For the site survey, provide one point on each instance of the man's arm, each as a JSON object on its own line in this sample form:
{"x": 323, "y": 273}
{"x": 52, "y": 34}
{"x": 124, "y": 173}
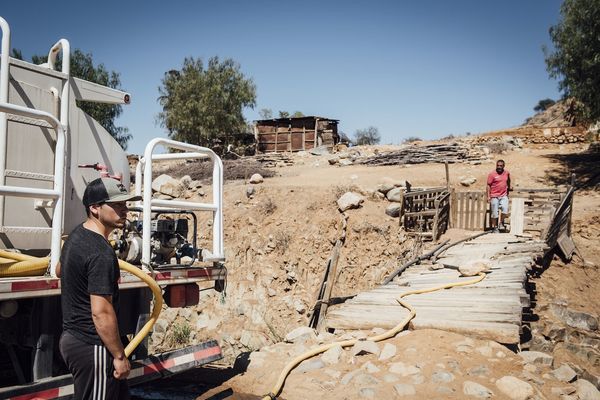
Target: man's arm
{"x": 105, "y": 321}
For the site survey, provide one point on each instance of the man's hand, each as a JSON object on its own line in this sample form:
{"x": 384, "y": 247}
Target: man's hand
{"x": 122, "y": 368}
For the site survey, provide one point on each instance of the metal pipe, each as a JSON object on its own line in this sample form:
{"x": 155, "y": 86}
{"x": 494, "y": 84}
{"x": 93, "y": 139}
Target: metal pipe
{"x": 4, "y": 83}
{"x": 18, "y": 191}
{"x": 185, "y": 205}
{"x": 59, "y": 174}
{"x": 216, "y": 207}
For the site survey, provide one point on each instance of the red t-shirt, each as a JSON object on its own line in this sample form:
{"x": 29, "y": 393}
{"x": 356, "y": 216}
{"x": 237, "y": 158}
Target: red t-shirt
{"x": 498, "y": 183}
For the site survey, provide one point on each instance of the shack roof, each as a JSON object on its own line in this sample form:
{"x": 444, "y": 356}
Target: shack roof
{"x": 290, "y": 119}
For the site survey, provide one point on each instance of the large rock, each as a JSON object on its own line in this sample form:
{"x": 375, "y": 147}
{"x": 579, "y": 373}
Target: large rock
{"x": 393, "y": 210}
{"x": 388, "y": 351}
{"x": 256, "y": 178}
{"x": 404, "y": 389}
{"x": 514, "y": 388}
{"x": 473, "y": 268}
{"x": 404, "y": 370}
{"x": 311, "y": 365}
{"x": 385, "y": 187}
{"x": 565, "y": 373}
{"x": 574, "y": 319}
{"x": 365, "y": 347}
{"x": 536, "y": 357}
{"x": 333, "y": 355}
{"x": 395, "y": 195}
{"x": 474, "y": 389}
{"x": 165, "y": 184}
{"x": 186, "y": 180}
{"x": 586, "y": 391}
{"x": 350, "y": 200}
{"x": 468, "y": 181}
{"x": 300, "y": 335}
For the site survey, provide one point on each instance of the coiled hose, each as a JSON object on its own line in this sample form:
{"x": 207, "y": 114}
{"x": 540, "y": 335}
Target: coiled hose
{"x": 17, "y": 264}
{"x": 386, "y": 335}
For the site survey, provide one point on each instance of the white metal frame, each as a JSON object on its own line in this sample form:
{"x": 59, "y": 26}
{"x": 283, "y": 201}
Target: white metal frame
{"x": 144, "y": 171}
{"x": 61, "y": 128}
{"x": 56, "y": 192}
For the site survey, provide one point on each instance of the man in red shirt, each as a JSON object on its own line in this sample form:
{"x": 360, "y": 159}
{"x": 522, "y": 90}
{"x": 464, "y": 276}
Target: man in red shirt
{"x": 498, "y": 186}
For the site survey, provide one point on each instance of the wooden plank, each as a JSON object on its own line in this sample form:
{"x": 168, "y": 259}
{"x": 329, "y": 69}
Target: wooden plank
{"x": 566, "y": 245}
{"x": 462, "y": 223}
{"x": 517, "y": 216}
{"x": 468, "y": 214}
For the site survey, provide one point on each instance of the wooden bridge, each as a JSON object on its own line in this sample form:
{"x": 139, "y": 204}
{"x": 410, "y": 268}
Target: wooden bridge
{"x": 490, "y": 309}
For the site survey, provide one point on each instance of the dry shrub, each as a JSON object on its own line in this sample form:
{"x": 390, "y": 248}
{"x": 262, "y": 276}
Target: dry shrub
{"x": 267, "y": 206}
{"x": 282, "y": 240}
{"x": 498, "y": 147}
{"x": 340, "y": 190}
{"x": 201, "y": 170}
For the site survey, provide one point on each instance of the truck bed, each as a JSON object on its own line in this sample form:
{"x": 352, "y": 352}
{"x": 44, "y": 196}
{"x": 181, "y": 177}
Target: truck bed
{"x": 39, "y": 286}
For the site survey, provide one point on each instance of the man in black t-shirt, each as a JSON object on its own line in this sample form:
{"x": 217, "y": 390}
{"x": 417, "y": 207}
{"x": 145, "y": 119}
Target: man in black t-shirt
{"x": 89, "y": 273}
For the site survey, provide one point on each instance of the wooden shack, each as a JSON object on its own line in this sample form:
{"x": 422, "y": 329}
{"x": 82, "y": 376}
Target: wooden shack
{"x": 295, "y": 134}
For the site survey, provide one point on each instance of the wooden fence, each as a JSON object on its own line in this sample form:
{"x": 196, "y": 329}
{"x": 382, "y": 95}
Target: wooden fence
{"x": 470, "y": 210}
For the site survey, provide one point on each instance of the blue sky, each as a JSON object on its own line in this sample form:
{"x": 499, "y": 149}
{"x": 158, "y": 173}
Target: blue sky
{"x": 427, "y": 68}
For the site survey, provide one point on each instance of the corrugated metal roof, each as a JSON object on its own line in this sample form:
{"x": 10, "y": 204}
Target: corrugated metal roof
{"x": 288, "y": 119}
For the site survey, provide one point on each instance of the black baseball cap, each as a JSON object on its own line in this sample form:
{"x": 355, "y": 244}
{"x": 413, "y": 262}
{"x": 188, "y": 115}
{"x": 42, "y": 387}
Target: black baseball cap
{"x": 106, "y": 190}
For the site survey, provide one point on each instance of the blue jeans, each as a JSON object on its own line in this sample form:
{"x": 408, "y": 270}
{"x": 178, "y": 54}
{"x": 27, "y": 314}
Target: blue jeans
{"x": 499, "y": 202}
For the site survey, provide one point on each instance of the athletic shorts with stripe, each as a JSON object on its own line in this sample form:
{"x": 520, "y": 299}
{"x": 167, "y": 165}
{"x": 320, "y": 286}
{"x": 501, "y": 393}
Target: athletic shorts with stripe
{"x": 92, "y": 368}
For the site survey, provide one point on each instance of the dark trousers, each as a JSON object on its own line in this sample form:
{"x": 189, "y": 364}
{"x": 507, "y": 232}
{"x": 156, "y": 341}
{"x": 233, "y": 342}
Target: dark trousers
{"x": 92, "y": 369}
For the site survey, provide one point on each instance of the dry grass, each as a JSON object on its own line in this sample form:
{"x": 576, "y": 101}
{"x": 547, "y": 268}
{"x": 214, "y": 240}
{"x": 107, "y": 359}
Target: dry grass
{"x": 201, "y": 170}
{"x": 282, "y": 240}
{"x": 267, "y": 206}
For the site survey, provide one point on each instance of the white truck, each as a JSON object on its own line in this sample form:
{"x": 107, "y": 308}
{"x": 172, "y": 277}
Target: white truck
{"x": 45, "y": 141}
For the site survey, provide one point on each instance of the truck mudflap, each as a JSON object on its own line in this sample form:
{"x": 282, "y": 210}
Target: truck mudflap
{"x": 151, "y": 368}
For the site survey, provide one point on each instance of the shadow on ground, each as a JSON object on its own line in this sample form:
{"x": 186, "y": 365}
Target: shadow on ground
{"x": 585, "y": 166}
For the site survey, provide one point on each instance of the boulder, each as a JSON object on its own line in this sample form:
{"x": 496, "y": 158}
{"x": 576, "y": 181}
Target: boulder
{"x": 345, "y": 162}
{"x": 586, "y": 391}
{"x": 395, "y": 195}
{"x": 574, "y": 319}
{"x": 250, "y": 190}
{"x": 300, "y": 335}
{"x": 474, "y": 389}
{"x": 442, "y": 377}
{"x": 349, "y": 201}
{"x": 370, "y": 367}
{"x": 404, "y": 370}
{"x": 473, "y": 268}
{"x": 514, "y": 388}
{"x": 388, "y": 351}
{"x": 256, "y": 178}
{"x": 385, "y": 187}
{"x": 311, "y": 365}
{"x": 333, "y": 355}
{"x": 319, "y": 151}
{"x": 393, "y": 210}
{"x": 365, "y": 347}
{"x": 185, "y": 181}
{"x": 564, "y": 373}
{"x": 404, "y": 389}
{"x": 468, "y": 181}
{"x": 536, "y": 357}
{"x": 165, "y": 184}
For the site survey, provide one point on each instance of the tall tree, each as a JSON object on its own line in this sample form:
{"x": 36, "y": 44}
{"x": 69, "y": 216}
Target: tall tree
{"x": 203, "y": 105}
{"x": 82, "y": 66}
{"x": 284, "y": 114}
{"x": 367, "y": 136}
{"x": 297, "y": 114}
{"x": 265, "y": 113}
{"x": 543, "y": 105}
{"x": 576, "y": 58}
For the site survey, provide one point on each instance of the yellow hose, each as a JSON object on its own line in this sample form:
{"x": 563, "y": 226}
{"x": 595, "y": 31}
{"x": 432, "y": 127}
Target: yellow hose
{"x": 22, "y": 264}
{"x": 25, "y": 265}
{"x": 386, "y": 335}
{"x": 158, "y": 302}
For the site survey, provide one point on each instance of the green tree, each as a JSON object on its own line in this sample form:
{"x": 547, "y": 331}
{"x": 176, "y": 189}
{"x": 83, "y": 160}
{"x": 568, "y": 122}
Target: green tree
{"x": 297, "y": 114}
{"x": 284, "y": 114}
{"x": 82, "y": 66}
{"x": 203, "y": 105}
{"x": 265, "y": 113}
{"x": 367, "y": 136}
{"x": 543, "y": 105}
{"x": 575, "y": 62}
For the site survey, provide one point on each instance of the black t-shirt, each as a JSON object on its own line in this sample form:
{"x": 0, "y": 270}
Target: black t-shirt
{"x": 88, "y": 266}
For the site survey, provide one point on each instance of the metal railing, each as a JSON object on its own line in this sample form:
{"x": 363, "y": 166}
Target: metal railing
{"x": 144, "y": 173}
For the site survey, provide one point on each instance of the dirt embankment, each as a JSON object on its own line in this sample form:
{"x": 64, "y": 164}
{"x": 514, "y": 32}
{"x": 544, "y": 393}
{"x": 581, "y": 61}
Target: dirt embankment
{"x": 277, "y": 244}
